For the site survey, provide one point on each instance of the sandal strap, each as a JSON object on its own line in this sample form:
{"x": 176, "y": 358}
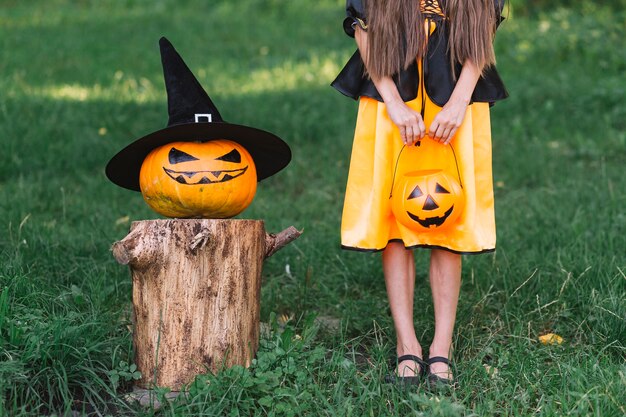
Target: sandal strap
{"x": 422, "y": 364}
{"x": 439, "y": 359}
{"x": 413, "y": 358}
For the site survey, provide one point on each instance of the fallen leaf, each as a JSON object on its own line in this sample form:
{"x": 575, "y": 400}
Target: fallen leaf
{"x": 551, "y": 339}
{"x": 122, "y": 220}
{"x": 492, "y": 371}
{"x": 285, "y": 318}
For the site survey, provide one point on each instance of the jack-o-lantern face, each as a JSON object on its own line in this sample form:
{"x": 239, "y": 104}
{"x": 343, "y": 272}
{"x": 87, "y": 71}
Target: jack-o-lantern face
{"x": 426, "y": 200}
{"x": 215, "y": 179}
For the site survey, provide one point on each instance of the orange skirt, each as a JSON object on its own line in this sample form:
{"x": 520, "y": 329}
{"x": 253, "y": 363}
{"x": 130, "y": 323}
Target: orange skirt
{"x": 379, "y": 161}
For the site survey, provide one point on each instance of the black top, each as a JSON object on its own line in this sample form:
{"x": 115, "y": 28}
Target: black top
{"x": 439, "y": 82}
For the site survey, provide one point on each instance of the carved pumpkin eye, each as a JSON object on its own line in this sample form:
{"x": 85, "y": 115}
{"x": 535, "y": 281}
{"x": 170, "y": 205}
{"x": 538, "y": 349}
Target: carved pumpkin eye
{"x": 232, "y": 156}
{"x": 440, "y": 190}
{"x": 417, "y": 192}
{"x": 176, "y": 157}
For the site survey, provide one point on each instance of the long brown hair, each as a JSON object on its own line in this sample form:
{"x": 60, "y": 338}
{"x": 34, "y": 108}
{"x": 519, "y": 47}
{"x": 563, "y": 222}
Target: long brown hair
{"x": 472, "y": 27}
{"x": 395, "y": 40}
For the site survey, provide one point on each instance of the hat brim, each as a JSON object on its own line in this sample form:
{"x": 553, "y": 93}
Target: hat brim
{"x": 269, "y": 152}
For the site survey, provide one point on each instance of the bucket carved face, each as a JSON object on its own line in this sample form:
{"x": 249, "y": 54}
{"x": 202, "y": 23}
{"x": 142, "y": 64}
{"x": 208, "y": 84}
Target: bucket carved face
{"x": 427, "y": 200}
{"x": 215, "y": 179}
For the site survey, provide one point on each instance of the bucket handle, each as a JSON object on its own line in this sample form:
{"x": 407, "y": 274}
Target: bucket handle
{"x": 395, "y": 169}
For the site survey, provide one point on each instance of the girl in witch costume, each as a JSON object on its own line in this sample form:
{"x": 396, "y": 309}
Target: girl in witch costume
{"x": 424, "y": 75}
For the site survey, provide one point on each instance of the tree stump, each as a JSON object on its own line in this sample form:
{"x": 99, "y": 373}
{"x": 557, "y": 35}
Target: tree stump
{"x": 196, "y": 294}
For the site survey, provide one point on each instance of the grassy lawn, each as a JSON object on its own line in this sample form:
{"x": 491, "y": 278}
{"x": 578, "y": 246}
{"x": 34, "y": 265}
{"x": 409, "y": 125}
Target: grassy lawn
{"x": 81, "y": 79}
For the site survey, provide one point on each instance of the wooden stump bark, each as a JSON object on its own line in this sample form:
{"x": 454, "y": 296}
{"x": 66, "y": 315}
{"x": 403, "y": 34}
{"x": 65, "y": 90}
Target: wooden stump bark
{"x": 196, "y": 294}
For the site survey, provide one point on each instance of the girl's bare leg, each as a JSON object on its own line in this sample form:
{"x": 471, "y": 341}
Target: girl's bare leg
{"x": 399, "y": 270}
{"x": 445, "y": 284}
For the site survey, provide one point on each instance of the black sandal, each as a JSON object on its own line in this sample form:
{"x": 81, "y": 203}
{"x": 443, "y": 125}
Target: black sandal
{"x": 407, "y": 380}
{"x": 435, "y": 380}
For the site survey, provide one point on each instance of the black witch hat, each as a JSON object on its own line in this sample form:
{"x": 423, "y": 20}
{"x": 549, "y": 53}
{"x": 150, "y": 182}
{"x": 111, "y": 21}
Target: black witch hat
{"x": 194, "y": 118}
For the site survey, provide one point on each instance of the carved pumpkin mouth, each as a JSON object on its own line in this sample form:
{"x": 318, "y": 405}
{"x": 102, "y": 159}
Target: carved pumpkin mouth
{"x": 432, "y": 221}
{"x": 204, "y": 177}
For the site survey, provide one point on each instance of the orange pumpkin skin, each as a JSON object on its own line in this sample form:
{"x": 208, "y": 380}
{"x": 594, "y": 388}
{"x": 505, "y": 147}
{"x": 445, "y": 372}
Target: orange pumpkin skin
{"x": 215, "y": 179}
{"x": 427, "y": 200}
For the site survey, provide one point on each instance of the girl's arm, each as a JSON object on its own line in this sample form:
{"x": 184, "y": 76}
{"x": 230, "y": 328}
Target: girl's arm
{"x": 409, "y": 122}
{"x": 447, "y": 121}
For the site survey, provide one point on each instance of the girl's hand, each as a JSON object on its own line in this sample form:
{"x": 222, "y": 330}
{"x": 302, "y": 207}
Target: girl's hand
{"x": 447, "y": 121}
{"x": 409, "y": 121}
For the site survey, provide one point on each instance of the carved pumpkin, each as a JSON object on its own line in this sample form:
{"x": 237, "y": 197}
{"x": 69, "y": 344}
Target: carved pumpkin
{"x": 214, "y": 179}
{"x": 427, "y": 199}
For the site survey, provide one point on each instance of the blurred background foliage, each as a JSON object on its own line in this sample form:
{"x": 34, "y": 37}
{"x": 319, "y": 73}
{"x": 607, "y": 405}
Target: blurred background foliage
{"x": 529, "y": 7}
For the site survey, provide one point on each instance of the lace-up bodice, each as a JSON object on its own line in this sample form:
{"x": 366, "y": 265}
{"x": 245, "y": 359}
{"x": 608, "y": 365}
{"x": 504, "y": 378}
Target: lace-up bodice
{"x": 431, "y": 7}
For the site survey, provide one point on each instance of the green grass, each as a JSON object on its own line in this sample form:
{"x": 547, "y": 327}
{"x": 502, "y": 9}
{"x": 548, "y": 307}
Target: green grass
{"x": 80, "y": 79}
